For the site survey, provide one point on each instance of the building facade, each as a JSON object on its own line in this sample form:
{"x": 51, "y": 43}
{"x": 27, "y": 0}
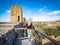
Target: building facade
{"x": 16, "y": 14}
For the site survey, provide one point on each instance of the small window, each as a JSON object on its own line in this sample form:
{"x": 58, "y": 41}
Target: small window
{"x": 18, "y": 18}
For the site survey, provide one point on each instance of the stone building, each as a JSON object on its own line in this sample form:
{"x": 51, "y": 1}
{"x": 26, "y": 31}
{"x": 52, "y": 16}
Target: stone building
{"x": 16, "y": 14}
{"x": 24, "y": 19}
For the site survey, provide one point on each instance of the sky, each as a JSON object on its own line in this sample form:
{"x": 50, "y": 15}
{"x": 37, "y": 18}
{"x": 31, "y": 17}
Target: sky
{"x": 37, "y": 10}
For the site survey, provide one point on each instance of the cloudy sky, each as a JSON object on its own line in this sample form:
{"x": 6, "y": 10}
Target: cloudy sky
{"x": 37, "y": 10}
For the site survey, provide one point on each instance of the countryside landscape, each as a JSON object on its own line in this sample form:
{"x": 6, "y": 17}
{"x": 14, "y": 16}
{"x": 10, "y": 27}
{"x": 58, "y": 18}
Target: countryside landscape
{"x": 30, "y": 22}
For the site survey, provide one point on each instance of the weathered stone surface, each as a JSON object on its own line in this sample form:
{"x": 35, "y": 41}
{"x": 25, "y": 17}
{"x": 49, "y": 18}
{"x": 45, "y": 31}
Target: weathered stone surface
{"x": 16, "y": 14}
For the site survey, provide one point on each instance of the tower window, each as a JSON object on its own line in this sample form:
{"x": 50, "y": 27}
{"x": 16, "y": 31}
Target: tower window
{"x": 18, "y": 18}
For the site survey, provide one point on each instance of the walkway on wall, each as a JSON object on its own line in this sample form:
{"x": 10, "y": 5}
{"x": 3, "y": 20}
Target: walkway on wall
{"x": 15, "y": 37}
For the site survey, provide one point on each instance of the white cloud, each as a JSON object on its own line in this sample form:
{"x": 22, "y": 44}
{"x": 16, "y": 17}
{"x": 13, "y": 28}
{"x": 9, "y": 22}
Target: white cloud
{"x": 38, "y": 15}
{"x": 44, "y": 18}
{"x": 42, "y": 9}
{"x": 54, "y": 12}
{"x": 8, "y": 11}
{"x": 28, "y": 11}
{"x": 5, "y": 17}
{"x": 4, "y": 20}
{"x": 43, "y": 15}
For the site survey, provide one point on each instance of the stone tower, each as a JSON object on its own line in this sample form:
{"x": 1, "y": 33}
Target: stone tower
{"x": 16, "y": 14}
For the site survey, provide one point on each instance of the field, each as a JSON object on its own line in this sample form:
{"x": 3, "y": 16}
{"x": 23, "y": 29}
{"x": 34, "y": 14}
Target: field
{"x": 52, "y": 31}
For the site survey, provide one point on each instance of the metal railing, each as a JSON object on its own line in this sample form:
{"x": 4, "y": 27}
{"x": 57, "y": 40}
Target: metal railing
{"x": 48, "y": 37}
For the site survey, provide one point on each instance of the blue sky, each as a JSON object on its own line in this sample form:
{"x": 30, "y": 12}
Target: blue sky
{"x": 38, "y": 10}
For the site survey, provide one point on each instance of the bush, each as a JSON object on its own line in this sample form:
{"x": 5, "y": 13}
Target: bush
{"x": 49, "y": 30}
{"x": 58, "y": 27}
{"x": 52, "y": 31}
